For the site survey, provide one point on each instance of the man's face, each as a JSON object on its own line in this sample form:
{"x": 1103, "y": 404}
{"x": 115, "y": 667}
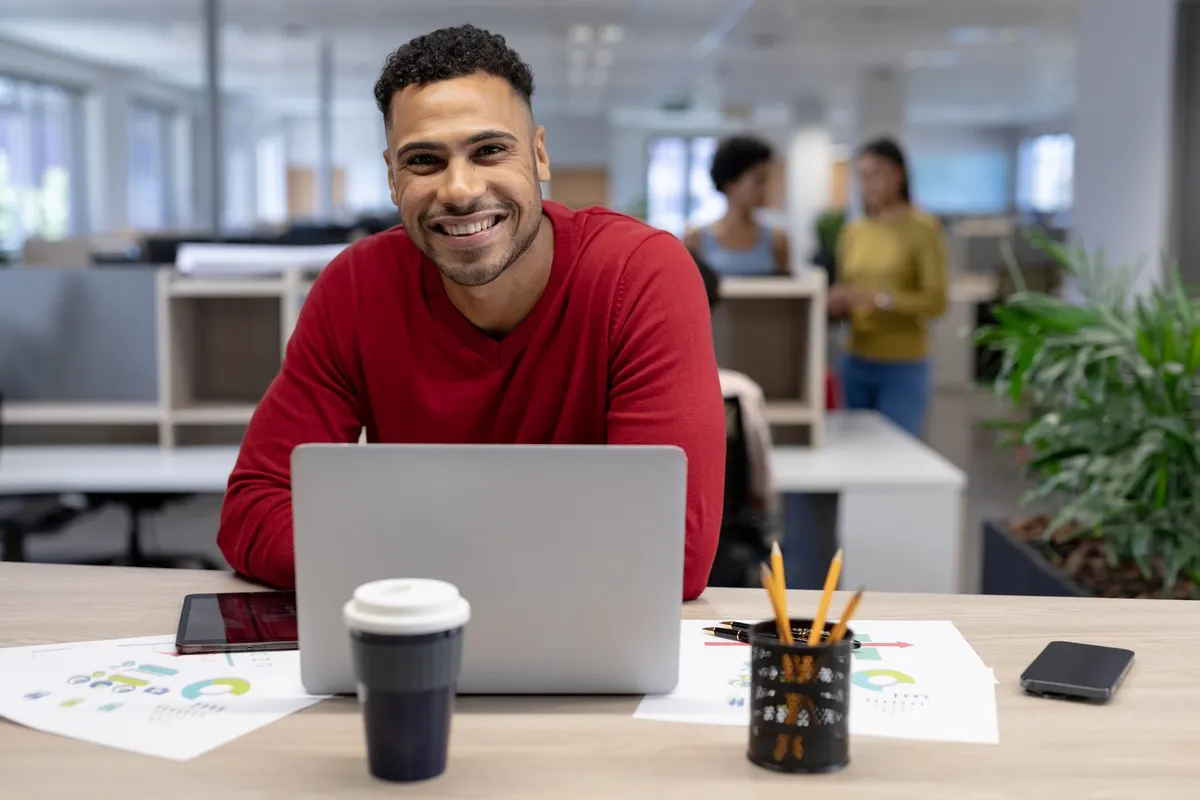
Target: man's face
{"x": 465, "y": 163}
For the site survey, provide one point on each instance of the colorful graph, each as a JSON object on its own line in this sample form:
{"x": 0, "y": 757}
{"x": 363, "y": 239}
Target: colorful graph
{"x": 742, "y": 681}
{"x": 876, "y": 680}
{"x": 115, "y": 678}
{"x": 215, "y": 686}
{"x": 866, "y": 653}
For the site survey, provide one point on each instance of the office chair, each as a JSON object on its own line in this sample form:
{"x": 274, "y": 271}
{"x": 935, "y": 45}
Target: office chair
{"x": 25, "y": 516}
{"x": 136, "y": 506}
{"x": 21, "y": 517}
{"x": 742, "y": 546}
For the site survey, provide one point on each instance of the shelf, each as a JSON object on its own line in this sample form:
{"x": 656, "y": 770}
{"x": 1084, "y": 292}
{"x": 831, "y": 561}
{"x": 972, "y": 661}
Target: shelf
{"x": 17, "y": 413}
{"x": 213, "y": 414}
{"x": 808, "y": 284}
{"x": 789, "y": 413}
{"x": 227, "y": 287}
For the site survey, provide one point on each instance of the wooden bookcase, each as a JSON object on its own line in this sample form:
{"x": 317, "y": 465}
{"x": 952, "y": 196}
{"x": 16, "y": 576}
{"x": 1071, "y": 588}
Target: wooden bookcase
{"x": 220, "y": 341}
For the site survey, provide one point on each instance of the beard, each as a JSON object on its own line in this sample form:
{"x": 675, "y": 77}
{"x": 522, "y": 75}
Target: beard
{"x": 478, "y": 268}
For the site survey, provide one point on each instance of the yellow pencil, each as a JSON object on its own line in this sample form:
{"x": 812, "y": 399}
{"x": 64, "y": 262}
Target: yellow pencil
{"x": 831, "y": 582}
{"x": 777, "y": 566}
{"x": 779, "y": 604}
{"x": 843, "y": 625}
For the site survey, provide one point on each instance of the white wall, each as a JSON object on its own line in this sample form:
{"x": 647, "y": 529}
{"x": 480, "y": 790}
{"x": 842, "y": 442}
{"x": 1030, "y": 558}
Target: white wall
{"x": 108, "y": 92}
{"x": 809, "y": 173}
{"x": 1124, "y": 118}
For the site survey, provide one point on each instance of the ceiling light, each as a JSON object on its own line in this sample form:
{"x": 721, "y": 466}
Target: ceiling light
{"x": 578, "y": 58}
{"x": 580, "y": 34}
{"x": 612, "y": 34}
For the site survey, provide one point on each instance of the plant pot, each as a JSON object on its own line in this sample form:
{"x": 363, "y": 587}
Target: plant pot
{"x": 1011, "y": 566}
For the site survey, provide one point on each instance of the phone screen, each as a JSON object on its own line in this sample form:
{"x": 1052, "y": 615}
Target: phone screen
{"x": 237, "y": 621}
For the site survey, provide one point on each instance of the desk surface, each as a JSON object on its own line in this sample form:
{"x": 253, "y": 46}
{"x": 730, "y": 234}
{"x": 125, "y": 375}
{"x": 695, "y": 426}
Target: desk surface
{"x": 861, "y": 449}
{"x": 1141, "y": 745}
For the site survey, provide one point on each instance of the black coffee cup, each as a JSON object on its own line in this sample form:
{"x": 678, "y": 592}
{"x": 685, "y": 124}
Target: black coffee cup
{"x": 799, "y": 701}
{"x": 406, "y": 636}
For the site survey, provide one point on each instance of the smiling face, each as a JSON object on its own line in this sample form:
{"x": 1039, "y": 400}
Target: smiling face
{"x": 465, "y": 165}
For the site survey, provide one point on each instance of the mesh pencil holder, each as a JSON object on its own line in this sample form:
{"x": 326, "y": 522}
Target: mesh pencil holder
{"x": 799, "y": 701}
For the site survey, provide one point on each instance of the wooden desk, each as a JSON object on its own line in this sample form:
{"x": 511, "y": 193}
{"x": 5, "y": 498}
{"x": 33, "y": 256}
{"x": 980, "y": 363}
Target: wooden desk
{"x": 1142, "y": 745}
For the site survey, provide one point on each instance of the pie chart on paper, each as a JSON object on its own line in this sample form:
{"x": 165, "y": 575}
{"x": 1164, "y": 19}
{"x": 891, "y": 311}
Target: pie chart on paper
{"x": 216, "y": 686}
{"x": 876, "y": 680}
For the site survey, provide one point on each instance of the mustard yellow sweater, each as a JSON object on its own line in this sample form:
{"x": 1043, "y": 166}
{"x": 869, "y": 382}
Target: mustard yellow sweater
{"x": 903, "y": 259}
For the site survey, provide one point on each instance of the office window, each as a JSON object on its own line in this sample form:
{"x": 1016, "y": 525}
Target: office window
{"x": 38, "y": 133}
{"x": 149, "y": 194}
{"x": 1046, "y": 173}
{"x": 679, "y": 192}
{"x": 968, "y": 181}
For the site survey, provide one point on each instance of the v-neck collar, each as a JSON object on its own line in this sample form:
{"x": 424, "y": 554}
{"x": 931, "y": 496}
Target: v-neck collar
{"x": 499, "y": 352}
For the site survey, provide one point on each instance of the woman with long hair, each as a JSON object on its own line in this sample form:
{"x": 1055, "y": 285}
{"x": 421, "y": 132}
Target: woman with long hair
{"x": 738, "y": 244}
{"x": 892, "y": 283}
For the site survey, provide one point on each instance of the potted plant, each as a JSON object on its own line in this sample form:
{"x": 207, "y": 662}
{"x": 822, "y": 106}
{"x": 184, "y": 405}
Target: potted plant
{"x": 828, "y": 226}
{"x": 1105, "y": 397}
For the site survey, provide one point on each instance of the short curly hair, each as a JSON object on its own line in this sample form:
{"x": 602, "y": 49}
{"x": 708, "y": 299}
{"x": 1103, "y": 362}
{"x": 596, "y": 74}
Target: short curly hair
{"x": 446, "y": 54}
{"x": 735, "y": 157}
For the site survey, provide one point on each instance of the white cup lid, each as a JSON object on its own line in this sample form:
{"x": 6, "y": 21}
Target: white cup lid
{"x": 406, "y": 607}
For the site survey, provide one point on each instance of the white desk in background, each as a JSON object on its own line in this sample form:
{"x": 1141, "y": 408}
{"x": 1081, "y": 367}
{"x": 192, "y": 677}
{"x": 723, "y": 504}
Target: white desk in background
{"x": 893, "y": 503}
{"x": 141, "y": 479}
{"x": 113, "y": 469}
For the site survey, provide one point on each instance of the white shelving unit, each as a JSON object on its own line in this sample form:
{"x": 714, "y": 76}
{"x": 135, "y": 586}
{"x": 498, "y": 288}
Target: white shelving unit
{"x": 221, "y": 338}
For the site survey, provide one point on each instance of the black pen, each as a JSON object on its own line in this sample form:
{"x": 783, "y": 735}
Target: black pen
{"x": 799, "y": 633}
{"x": 731, "y": 634}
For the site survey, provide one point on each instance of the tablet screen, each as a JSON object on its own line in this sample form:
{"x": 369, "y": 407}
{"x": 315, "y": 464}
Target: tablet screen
{"x": 238, "y": 620}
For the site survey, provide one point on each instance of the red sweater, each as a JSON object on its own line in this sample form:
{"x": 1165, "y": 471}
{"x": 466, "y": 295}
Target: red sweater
{"x": 618, "y": 350}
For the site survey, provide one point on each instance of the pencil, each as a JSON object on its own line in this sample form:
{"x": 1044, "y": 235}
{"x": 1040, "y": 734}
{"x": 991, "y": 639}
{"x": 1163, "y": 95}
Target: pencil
{"x": 843, "y": 625}
{"x": 779, "y": 603}
{"x": 831, "y": 582}
{"x": 777, "y": 566}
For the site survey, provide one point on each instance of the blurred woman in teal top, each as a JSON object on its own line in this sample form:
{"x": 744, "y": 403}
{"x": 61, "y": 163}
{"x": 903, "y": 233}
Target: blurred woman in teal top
{"x": 737, "y": 244}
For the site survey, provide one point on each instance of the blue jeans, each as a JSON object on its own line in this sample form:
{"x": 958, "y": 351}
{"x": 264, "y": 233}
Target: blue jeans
{"x": 898, "y": 390}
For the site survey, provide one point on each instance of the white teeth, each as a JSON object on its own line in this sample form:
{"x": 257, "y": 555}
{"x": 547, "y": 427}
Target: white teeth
{"x": 467, "y": 230}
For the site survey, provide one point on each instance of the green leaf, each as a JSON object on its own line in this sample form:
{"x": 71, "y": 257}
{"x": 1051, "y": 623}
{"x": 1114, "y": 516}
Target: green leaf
{"x": 1107, "y": 401}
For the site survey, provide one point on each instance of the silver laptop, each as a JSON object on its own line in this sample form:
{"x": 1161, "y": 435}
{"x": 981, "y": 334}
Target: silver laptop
{"x": 571, "y": 557}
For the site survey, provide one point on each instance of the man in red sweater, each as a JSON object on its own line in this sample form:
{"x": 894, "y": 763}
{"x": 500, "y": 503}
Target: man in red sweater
{"x": 488, "y": 316}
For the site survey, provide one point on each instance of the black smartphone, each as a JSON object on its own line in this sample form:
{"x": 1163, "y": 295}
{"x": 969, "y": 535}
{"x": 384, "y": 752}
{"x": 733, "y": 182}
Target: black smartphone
{"x": 1073, "y": 671}
{"x": 237, "y": 622}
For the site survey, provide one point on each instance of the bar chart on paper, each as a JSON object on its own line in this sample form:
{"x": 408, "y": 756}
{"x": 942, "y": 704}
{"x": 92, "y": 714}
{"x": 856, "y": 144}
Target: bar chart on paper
{"x": 910, "y": 679}
{"x": 139, "y": 695}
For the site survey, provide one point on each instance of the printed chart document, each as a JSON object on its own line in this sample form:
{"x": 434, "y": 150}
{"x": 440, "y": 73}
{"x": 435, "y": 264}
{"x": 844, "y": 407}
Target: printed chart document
{"x": 139, "y": 695}
{"x": 910, "y": 680}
